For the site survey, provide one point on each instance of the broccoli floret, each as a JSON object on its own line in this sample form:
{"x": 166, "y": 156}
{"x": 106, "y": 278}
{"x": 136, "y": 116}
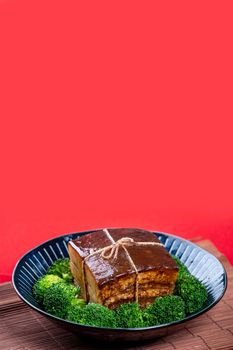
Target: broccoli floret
{"x": 77, "y": 302}
{"x": 169, "y": 308}
{"x": 42, "y": 285}
{"x": 165, "y": 309}
{"x": 129, "y": 316}
{"x": 92, "y": 314}
{"x": 58, "y": 298}
{"x": 189, "y": 289}
{"x": 192, "y": 292}
{"x": 61, "y": 268}
{"x": 149, "y": 317}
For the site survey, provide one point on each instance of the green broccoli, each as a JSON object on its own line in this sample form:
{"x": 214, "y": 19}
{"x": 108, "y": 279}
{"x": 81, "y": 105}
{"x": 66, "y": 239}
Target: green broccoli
{"x": 77, "y": 302}
{"x": 129, "y": 316}
{"x": 169, "y": 308}
{"x": 93, "y": 315}
{"x": 165, "y": 309}
{"x": 61, "y": 268}
{"x": 149, "y": 317}
{"x": 192, "y": 292}
{"x": 42, "y": 285}
{"x": 58, "y": 298}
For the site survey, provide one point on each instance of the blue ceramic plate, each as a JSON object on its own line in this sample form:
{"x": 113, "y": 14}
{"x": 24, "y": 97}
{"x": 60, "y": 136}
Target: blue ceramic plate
{"x": 199, "y": 262}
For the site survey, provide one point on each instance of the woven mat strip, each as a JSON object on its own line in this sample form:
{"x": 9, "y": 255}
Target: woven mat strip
{"x": 21, "y": 328}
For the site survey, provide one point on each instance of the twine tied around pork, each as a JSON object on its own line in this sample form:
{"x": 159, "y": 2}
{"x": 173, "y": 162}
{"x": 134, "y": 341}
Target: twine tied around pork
{"x": 112, "y": 250}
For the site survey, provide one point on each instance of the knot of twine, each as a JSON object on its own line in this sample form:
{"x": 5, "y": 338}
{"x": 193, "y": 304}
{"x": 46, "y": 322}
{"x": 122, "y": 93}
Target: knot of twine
{"x": 111, "y": 251}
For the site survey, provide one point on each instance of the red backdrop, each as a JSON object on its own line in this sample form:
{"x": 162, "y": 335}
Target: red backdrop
{"x": 115, "y": 113}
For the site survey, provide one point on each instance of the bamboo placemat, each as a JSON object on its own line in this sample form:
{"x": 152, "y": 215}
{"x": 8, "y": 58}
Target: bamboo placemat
{"x": 22, "y": 328}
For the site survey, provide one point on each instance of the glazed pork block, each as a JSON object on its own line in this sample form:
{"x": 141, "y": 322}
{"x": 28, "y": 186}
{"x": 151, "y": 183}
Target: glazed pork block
{"x": 138, "y": 269}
